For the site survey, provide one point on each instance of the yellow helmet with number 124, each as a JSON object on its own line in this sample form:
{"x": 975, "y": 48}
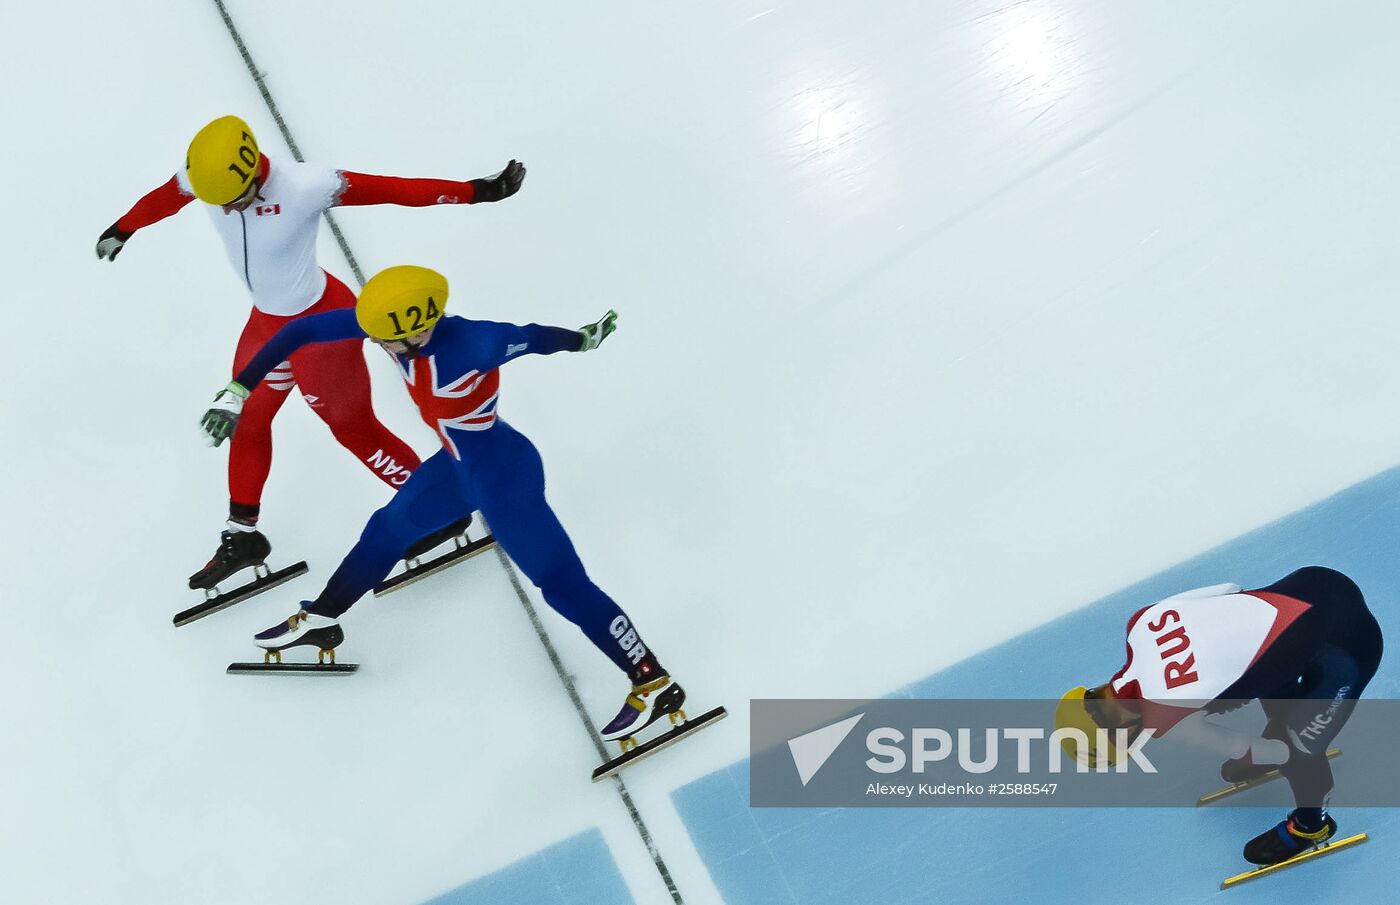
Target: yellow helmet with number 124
{"x": 222, "y": 160}
{"x": 401, "y": 302}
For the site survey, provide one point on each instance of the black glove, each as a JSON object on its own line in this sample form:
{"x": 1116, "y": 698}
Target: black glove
{"x": 502, "y": 185}
{"x": 110, "y": 243}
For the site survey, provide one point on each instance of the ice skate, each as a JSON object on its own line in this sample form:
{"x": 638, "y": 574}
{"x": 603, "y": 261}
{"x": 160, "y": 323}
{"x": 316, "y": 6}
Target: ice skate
{"x": 645, "y": 704}
{"x": 301, "y": 629}
{"x": 1286, "y": 845}
{"x": 416, "y": 569}
{"x": 433, "y": 539}
{"x": 1242, "y": 775}
{"x": 654, "y": 695}
{"x": 238, "y": 550}
{"x": 1287, "y": 840}
{"x": 1241, "y": 770}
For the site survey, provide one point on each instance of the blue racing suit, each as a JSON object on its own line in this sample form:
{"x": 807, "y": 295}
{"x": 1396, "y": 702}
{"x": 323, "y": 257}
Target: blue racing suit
{"x": 485, "y": 465}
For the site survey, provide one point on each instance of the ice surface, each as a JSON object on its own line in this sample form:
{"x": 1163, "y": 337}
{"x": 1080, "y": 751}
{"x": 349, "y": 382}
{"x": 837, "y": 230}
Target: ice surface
{"x": 938, "y": 320}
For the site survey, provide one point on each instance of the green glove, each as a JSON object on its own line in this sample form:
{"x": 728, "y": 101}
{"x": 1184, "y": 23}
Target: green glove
{"x": 221, "y": 419}
{"x": 594, "y": 334}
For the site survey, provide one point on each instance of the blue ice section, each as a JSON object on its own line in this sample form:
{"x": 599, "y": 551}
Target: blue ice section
{"x": 578, "y": 871}
{"x": 1046, "y": 856}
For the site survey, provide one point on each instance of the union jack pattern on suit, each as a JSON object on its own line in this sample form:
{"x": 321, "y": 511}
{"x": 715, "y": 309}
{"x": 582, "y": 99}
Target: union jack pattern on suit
{"x": 467, "y": 403}
{"x": 281, "y": 378}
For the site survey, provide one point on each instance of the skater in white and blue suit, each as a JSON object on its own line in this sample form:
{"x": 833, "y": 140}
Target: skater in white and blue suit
{"x": 449, "y": 365}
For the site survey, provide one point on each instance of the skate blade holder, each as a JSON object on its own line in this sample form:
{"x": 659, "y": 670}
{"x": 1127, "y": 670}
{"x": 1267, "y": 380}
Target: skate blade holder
{"x": 459, "y": 542}
{"x": 1252, "y": 783}
{"x": 630, "y": 742}
{"x": 1326, "y": 848}
{"x": 324, "y": 655}
{"x": 260, "y": 571}
{"x": 421, "y": 567}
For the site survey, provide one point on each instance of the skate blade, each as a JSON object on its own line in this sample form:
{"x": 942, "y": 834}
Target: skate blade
{"x": 423, "y": 570}
{"x": 662, "y": 741}
{"x": 314, "y": 669}
{"x": 1308, "y": 855}
{"x": 1258, "y": 781}
{"x": 238, "y": 595}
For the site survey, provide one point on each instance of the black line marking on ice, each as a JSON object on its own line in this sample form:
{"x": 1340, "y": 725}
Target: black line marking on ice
{"x": 598, "y": 746}
{"x": 540, "y": 630}
{"x": 286, "y": 133}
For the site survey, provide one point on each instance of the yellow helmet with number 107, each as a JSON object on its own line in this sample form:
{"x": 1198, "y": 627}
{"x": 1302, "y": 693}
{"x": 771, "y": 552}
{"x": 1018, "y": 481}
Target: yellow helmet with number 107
{"x": 401, "y": 302}
{"x": 222, "y": 160}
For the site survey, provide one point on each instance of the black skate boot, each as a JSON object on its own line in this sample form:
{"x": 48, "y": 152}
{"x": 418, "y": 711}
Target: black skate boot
{"x": 237, "y": 550}
{"x": 434, "y": 538}
{"x": 1288, "y": 839}
{"x": 654, "y": 695}
{"x": 417, "y": 567}
{"x": 1242, "y": 770}
{"x": 302, "y": 628}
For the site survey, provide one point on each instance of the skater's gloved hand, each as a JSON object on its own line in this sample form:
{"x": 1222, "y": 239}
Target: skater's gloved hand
{"x": 504, "y": 184}
{"x": 111, "y": 243}
{"x": 219, "y": 421}
{"x": 594, "y": 334}
{"x": 1269, "y": 751}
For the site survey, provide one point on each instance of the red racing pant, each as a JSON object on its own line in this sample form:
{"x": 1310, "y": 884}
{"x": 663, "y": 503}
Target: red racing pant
{"x": 334, "y": 381}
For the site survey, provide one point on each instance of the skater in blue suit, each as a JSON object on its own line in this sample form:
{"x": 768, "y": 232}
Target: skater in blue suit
{"x": 450, "y": 365}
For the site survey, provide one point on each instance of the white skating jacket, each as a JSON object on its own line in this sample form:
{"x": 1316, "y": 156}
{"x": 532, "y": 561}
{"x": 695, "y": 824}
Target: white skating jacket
{"x": 1185, "y": 651}
{"x": 272, "y": 245}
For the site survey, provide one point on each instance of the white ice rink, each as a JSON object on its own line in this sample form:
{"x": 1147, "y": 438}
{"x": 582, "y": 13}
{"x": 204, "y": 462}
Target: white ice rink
{"x": 938, "y": 319}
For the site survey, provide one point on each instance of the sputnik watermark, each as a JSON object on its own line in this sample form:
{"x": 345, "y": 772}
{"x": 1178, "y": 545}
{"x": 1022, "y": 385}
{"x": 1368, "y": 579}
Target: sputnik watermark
{"x": 906, "y": 752}
{"x": 813, "y": 749}
{"x": 960, "y": 789}
{"x": 885, "y": 744}
{"x": 934, "y": 745}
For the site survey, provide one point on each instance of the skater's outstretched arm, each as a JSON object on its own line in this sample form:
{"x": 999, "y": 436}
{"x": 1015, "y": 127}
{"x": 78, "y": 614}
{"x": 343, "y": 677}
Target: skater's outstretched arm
{"x": 219, "y": 421}
{"x": 154, "y": 206}
{"x": 333, "y": 326}
{"x": 364, "y": 188}
{"x": 494, "y": 343}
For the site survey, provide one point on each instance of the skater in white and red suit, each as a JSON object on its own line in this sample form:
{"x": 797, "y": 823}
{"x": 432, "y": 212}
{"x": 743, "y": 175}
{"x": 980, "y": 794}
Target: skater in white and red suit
{"x": 1305, "y": 646}
{"x": 267, "y": 210}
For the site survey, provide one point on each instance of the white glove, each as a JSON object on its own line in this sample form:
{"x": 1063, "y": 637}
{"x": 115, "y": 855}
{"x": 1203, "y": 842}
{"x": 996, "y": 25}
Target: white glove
{"x": 220, "y": 421}
{"x": 594, "y": 334}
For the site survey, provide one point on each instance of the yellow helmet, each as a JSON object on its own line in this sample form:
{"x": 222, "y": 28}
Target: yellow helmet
{"x": 1073, "y": 713}
{"x": 222, "y": 160}
{"x": 401, "y": 302}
